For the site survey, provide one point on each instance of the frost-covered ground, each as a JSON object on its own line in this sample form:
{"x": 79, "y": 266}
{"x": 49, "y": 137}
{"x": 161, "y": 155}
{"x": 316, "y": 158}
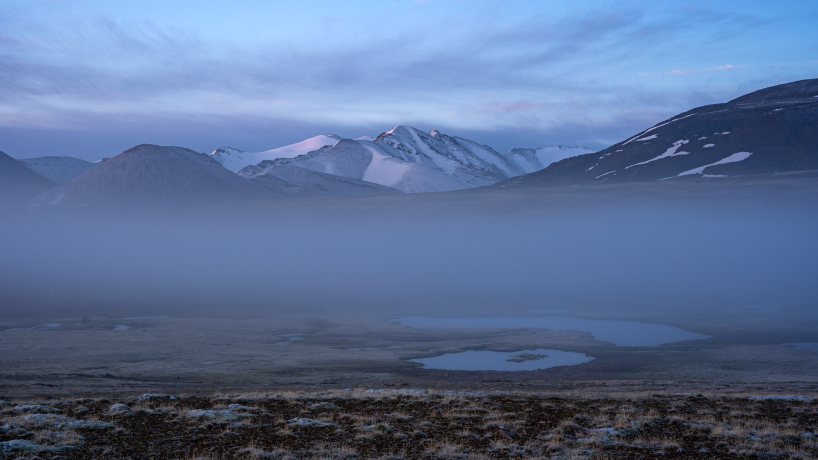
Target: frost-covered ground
{"x": 411, "y": 423}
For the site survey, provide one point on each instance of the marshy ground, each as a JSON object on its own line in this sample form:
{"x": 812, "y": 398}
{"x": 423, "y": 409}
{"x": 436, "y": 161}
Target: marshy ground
{"x": 273, "y": 387}
{"x": 395, "y": 424}
{"x": 66, "y": 357}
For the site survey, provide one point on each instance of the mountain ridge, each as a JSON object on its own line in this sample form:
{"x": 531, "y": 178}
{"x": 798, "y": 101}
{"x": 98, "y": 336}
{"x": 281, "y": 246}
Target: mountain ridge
{"x": 153, "y": 174}
{"x": 412, "y": 161}
{"x": 18, "y": 182}
{"x": 768, "y": 131}
{"x": 58, "y": 169}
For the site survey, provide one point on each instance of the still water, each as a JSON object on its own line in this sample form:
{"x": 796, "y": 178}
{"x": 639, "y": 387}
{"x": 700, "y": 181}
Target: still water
{"x": 526, "y": 360}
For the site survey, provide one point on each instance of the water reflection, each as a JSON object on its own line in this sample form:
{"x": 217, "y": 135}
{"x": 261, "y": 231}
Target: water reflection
{"x": 525, "y": 360}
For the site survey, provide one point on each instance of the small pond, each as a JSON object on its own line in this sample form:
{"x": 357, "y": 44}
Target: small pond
{"x": 525, "y": 360}
{"x": 620, "y": 333}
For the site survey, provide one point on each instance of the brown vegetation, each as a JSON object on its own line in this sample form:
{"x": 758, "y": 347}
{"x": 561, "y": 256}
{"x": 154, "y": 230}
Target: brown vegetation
{"x": 395, "y": 424}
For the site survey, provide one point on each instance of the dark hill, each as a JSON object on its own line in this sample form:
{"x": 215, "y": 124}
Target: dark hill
{"x": 152, "y": 174}
{"x": 772, "y": 130}
{"x": 18, "y": 182}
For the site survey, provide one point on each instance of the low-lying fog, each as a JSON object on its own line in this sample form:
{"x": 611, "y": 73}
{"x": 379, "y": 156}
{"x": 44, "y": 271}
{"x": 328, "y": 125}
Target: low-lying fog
{"x": 419, "y": 256}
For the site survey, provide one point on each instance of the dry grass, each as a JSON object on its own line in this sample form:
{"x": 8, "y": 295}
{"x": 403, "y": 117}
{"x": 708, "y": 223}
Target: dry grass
{"x": 428, "y": 426}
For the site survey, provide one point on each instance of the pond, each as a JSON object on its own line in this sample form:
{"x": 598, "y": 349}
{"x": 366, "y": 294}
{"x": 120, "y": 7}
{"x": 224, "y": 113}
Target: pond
{"x": 620, "y": 333}
{"x": 525, "y": 360}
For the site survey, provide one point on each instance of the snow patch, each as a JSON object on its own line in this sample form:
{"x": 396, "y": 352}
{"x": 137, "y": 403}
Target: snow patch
{"x": 671, "y": 152}
{"x": 707, "y": 146}
{"x": 736, "y": 157}
{"x": 57, "y": 200}
{"x": 646, "y": 138}
{"x": 605, "y": 174}
{"x": 658, "y": 126}
{"x": 234, "y": 159}
{"x": 384, "y": 169}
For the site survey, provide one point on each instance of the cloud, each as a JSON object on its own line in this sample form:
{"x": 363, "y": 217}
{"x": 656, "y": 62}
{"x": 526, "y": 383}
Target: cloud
{"x": 695, "y": 71}
{"x": 481, "y": 73}
{"x": 105, "y": 66}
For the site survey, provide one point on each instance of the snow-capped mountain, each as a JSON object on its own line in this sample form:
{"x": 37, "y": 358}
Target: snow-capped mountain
{"x": 17, "y": 182}
{"x": 768, "y": 131}
{"x": 467, "y": 161}
{"x": 532, "y": 160}
{"x": 250, "y": 171}
{"x": 379, "y": 163}
{"x": 235, "y": 159}
{"x": 58, "y": 169}
{"x": 412, "y": 161}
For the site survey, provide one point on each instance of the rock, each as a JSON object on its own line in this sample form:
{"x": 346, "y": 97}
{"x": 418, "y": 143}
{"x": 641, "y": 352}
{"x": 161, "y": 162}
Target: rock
{"x": 39, "y": 420}
{"x": 457, "y": 393}
{"x": 327, "y": 406}
{"x": 19, "y": 445}
{"x": 36, "y": 408}
{"x": 155, "y": 397}
{"x": 217, "y": 414}
{"x": 119, "y": 409}
{"x": 405, "y": 391}
{"x": 300, "y": 421}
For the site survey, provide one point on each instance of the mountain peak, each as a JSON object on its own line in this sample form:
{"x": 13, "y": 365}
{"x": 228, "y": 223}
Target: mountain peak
{"x": 801, "y": 89}
{"x": 400, "y": 130}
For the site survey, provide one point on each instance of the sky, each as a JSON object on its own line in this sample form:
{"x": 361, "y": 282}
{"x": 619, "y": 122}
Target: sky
{"x": 92, "y": 78}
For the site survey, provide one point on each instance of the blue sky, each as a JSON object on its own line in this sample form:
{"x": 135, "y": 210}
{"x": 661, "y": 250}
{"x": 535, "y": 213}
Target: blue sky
{"x": 92, "y": 78}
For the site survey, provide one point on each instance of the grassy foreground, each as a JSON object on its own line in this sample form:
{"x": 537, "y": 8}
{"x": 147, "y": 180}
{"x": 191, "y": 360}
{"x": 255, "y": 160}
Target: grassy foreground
{"x": 395, "y": 424}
